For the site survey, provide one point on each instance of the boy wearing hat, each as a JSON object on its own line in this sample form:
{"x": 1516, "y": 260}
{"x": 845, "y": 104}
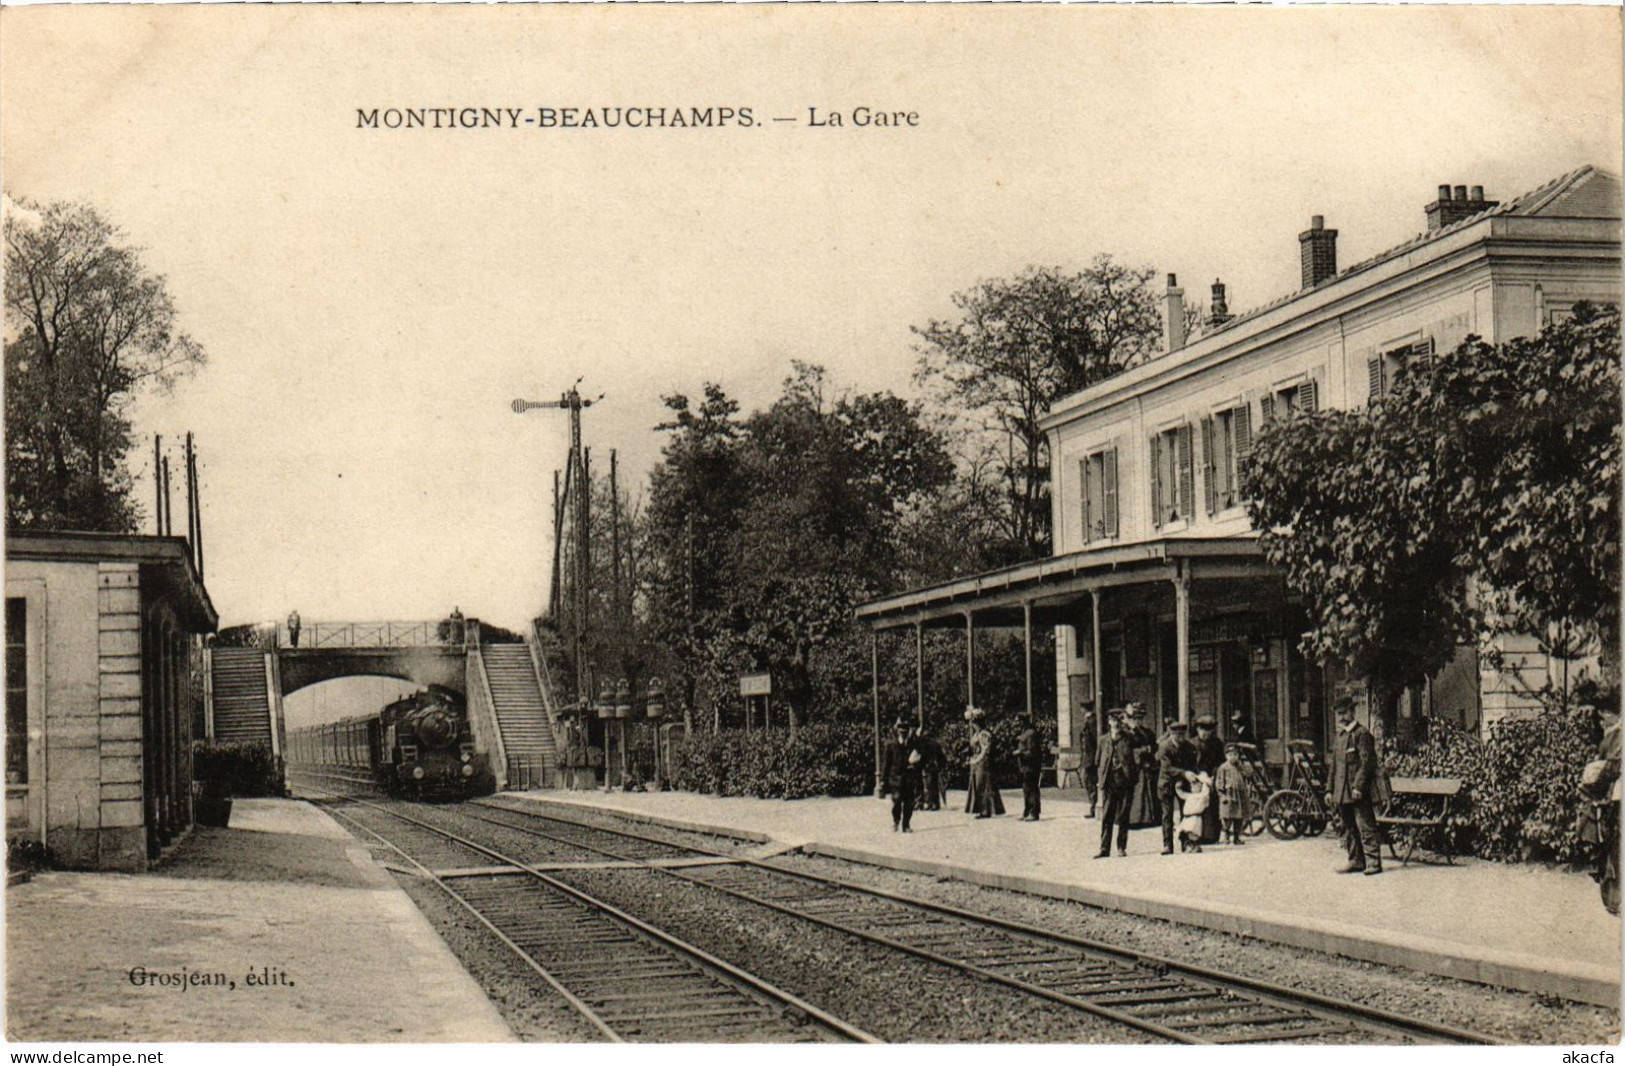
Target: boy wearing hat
{"x": 902, "y": 775}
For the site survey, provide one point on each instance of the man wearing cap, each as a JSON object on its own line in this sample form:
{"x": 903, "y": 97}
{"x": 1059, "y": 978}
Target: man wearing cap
{"x": 1030, "y": 753}
{"x": 1240, "y": 731}
{"x": 1116, "y": 772}
{"x": 902, "y": 775}
{"x": 1354, "y": 781}
{"x": 1176, "y": 762}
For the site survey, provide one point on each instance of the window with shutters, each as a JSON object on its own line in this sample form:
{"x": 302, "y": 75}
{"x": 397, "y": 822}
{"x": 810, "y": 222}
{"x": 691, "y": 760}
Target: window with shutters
{"x": 1100, "y": 495}
{"x": 1384, "y": 371}
{"x": 1282, "y": 402}
{"x": 1227, "y": 439}
{"x": 1173, "y": 482}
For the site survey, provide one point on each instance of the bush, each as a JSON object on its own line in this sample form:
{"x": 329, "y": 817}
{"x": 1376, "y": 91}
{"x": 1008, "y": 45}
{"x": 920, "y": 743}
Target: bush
{"x": 237, "y": 769}
{"x": 1522, "y": 801}
{"x": 825, "y": 759}
{"x": 28, "y": 856}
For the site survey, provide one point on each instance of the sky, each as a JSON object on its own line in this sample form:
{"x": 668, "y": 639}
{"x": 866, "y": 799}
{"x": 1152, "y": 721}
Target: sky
{"x": 372, "y": 300}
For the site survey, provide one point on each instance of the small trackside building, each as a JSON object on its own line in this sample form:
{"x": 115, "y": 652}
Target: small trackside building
{"x": 1157, "y": 588}
{"x": 103, "y": 688}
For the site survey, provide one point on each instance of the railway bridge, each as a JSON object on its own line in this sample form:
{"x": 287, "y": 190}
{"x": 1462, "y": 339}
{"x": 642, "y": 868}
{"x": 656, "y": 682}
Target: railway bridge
{"x": 509, "y": 700}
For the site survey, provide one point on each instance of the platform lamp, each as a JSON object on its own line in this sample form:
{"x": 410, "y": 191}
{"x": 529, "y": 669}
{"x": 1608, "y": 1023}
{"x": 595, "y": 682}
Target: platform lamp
{"x": 655, "y": 708}
{"x": 606, "y": 710}
{"x": 623, "y": 711}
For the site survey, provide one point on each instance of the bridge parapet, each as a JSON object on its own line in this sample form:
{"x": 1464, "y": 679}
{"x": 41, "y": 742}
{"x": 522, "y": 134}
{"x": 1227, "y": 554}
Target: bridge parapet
{"x": 446, "y": 633}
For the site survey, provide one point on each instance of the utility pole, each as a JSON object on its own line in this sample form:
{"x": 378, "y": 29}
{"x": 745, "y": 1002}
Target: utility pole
{"x": 158, "y": 483}
{"x": 576, "y": 479}
{"x": 169, "y": 503}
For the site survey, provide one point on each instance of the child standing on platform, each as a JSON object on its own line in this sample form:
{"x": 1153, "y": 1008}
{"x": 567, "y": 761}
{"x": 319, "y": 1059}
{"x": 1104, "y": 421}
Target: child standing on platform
{"x": 1195, "y": 792}
{"x": 1231, "y": 785}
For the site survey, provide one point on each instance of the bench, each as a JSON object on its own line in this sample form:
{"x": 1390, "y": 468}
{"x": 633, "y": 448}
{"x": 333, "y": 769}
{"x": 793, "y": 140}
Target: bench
{"x": 1068, "y": 766}
{"x": 1426, "y": 801}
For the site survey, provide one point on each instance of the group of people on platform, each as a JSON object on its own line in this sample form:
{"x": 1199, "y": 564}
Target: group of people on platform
{"x": 1195, "y": 788}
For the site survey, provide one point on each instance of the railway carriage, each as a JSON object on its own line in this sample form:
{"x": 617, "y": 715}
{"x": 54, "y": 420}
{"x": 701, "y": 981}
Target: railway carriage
{"x": 420, "y": 747}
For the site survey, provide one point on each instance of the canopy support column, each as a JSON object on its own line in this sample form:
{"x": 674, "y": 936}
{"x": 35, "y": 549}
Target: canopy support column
{"x": 970, "y": 660}
{"x": 874, "y": 694}
{"x": 1099, "y": 679}
{"x": 1027, "y": 654}
{"x": 1182, "y": 638}
{"x": 919, "y": 673}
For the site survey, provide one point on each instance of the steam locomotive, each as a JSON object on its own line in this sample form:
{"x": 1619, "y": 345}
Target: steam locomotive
{"x": 420, "y": 747}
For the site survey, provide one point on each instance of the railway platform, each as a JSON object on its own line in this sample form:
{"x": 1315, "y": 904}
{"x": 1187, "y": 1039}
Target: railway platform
{"x": 1525, "y": 927}
{"x": 280, "y": 928}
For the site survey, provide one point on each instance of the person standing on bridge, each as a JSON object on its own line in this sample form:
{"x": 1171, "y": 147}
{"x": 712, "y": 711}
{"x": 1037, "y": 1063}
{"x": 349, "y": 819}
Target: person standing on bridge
{"x": 293, "y": 629}
{"x": 456, "y": 626}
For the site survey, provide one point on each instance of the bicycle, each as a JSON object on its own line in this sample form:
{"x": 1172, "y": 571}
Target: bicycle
{"x": 1259, "y": 786}
{"x": 1299, "y": 808}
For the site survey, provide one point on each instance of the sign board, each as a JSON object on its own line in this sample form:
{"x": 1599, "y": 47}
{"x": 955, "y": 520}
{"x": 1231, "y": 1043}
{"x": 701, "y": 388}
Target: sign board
{"x": 755, "y": 684}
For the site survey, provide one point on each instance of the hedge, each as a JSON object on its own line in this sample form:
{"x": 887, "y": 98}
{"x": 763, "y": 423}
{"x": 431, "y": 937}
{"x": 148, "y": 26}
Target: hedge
{"x": 824, "y": 760}
{"x": 238, "y": 769}
{"x": 1522, "y": 801}
{"x": 821, "y": 760}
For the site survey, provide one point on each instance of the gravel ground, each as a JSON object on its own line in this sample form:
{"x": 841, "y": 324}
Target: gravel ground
{"x": 851, "y": 979}
{"x": 1508, "y": 1015}
{"x": 859, "y": 981}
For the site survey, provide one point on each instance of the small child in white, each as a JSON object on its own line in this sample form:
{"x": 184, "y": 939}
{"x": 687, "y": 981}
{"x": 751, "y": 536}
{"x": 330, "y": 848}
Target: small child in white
{"x": 1195, "y": 793}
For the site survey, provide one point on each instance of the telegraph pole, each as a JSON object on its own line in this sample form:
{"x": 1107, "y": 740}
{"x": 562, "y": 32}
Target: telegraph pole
{"x": 576, "y": 480}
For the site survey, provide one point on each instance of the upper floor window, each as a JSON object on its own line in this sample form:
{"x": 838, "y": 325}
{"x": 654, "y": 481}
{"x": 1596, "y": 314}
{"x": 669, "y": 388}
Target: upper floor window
{"x": 1384, "y": 371}
{"x": 1282, "y": 402}
{"x": 1227, "y": 438}
{"x": 1173, "y": 485}
{"x": 1100, "y": 495}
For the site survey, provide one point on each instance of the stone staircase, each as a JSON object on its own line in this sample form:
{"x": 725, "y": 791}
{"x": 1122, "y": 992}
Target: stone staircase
{"x": 242, "y": 706}
{"x": 521, "y": 713}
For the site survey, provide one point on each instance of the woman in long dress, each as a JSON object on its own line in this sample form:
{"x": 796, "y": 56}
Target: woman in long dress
{"x": 1144, "y": 809}
{"x": 982, "y": 799}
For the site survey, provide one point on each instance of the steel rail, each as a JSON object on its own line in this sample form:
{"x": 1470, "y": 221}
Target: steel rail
{"x": 1301, "y": 999}
{"x": 751, "y": 984}
{"x": 541, "y": 971}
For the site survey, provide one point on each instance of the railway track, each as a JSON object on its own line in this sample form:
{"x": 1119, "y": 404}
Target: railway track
{"x": 627, "y": 979}
{"x": 1160, "y": 996}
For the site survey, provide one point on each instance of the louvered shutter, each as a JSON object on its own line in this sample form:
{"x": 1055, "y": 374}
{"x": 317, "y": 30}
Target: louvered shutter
{"x": 1309, "y": 396}
{"x": 1156, "y": 480}
{"x": 1374, "y": 376}
{"x": 1242, "y": 419}
{"x": 1423, "y": 349}
{"x": 1187, "y": 473}
{"x": 1266, "y": 407}
{"x": 1109, "y": 495}
{"x": 1087, "y": 491}
{"x": 1210, "y": 490}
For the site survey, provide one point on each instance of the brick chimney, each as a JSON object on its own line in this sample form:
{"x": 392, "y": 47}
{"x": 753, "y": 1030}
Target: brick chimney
{"x": 1454, "y": 205}
{"x": 1173, "y": 316}
{"x": 1317, "y": 250}
{"x": 1218, "y": 310}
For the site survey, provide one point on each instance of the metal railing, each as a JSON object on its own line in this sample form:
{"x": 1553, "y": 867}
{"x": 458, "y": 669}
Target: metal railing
{"x": 375, "y": 634}
{"x": 530, "y": 771}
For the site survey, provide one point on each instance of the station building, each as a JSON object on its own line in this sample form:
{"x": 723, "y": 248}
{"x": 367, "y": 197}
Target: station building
{"x": 104, "y": 690}
{"x": 1157, "y": 588}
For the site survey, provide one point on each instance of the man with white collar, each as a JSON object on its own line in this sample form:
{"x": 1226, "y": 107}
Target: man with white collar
{"x": 1354, "y": 781}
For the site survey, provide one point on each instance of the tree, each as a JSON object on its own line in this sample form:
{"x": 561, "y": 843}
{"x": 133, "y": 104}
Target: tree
{"x": 1533, "y": 428}
{"x": 1021, "y": 343}
{"x": 90, "y": 327}
{"x": 1497, "y": 464}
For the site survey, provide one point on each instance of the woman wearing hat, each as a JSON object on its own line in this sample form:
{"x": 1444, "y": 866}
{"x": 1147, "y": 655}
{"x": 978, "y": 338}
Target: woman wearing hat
{"x": 982, "y": 800}
{"x": 1143, "y": 809}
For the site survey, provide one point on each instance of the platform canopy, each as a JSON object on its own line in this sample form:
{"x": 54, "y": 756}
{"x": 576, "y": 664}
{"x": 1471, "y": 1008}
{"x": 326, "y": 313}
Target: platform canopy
{"x": 1048, "y": 587}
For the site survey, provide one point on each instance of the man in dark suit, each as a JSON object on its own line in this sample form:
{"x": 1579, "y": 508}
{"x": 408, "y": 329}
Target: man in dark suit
{"x": 1354, "y": 782}
{"x": 901, "y": 775}
{"x": 1116, "y": 772}
{"x": 931, "y": 763}
{"x": 1176, "y": 761}
{"x": 1030, "y": 753}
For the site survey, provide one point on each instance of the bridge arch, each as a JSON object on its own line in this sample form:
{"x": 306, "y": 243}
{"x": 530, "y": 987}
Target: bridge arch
{"x": 299, "y": 668}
